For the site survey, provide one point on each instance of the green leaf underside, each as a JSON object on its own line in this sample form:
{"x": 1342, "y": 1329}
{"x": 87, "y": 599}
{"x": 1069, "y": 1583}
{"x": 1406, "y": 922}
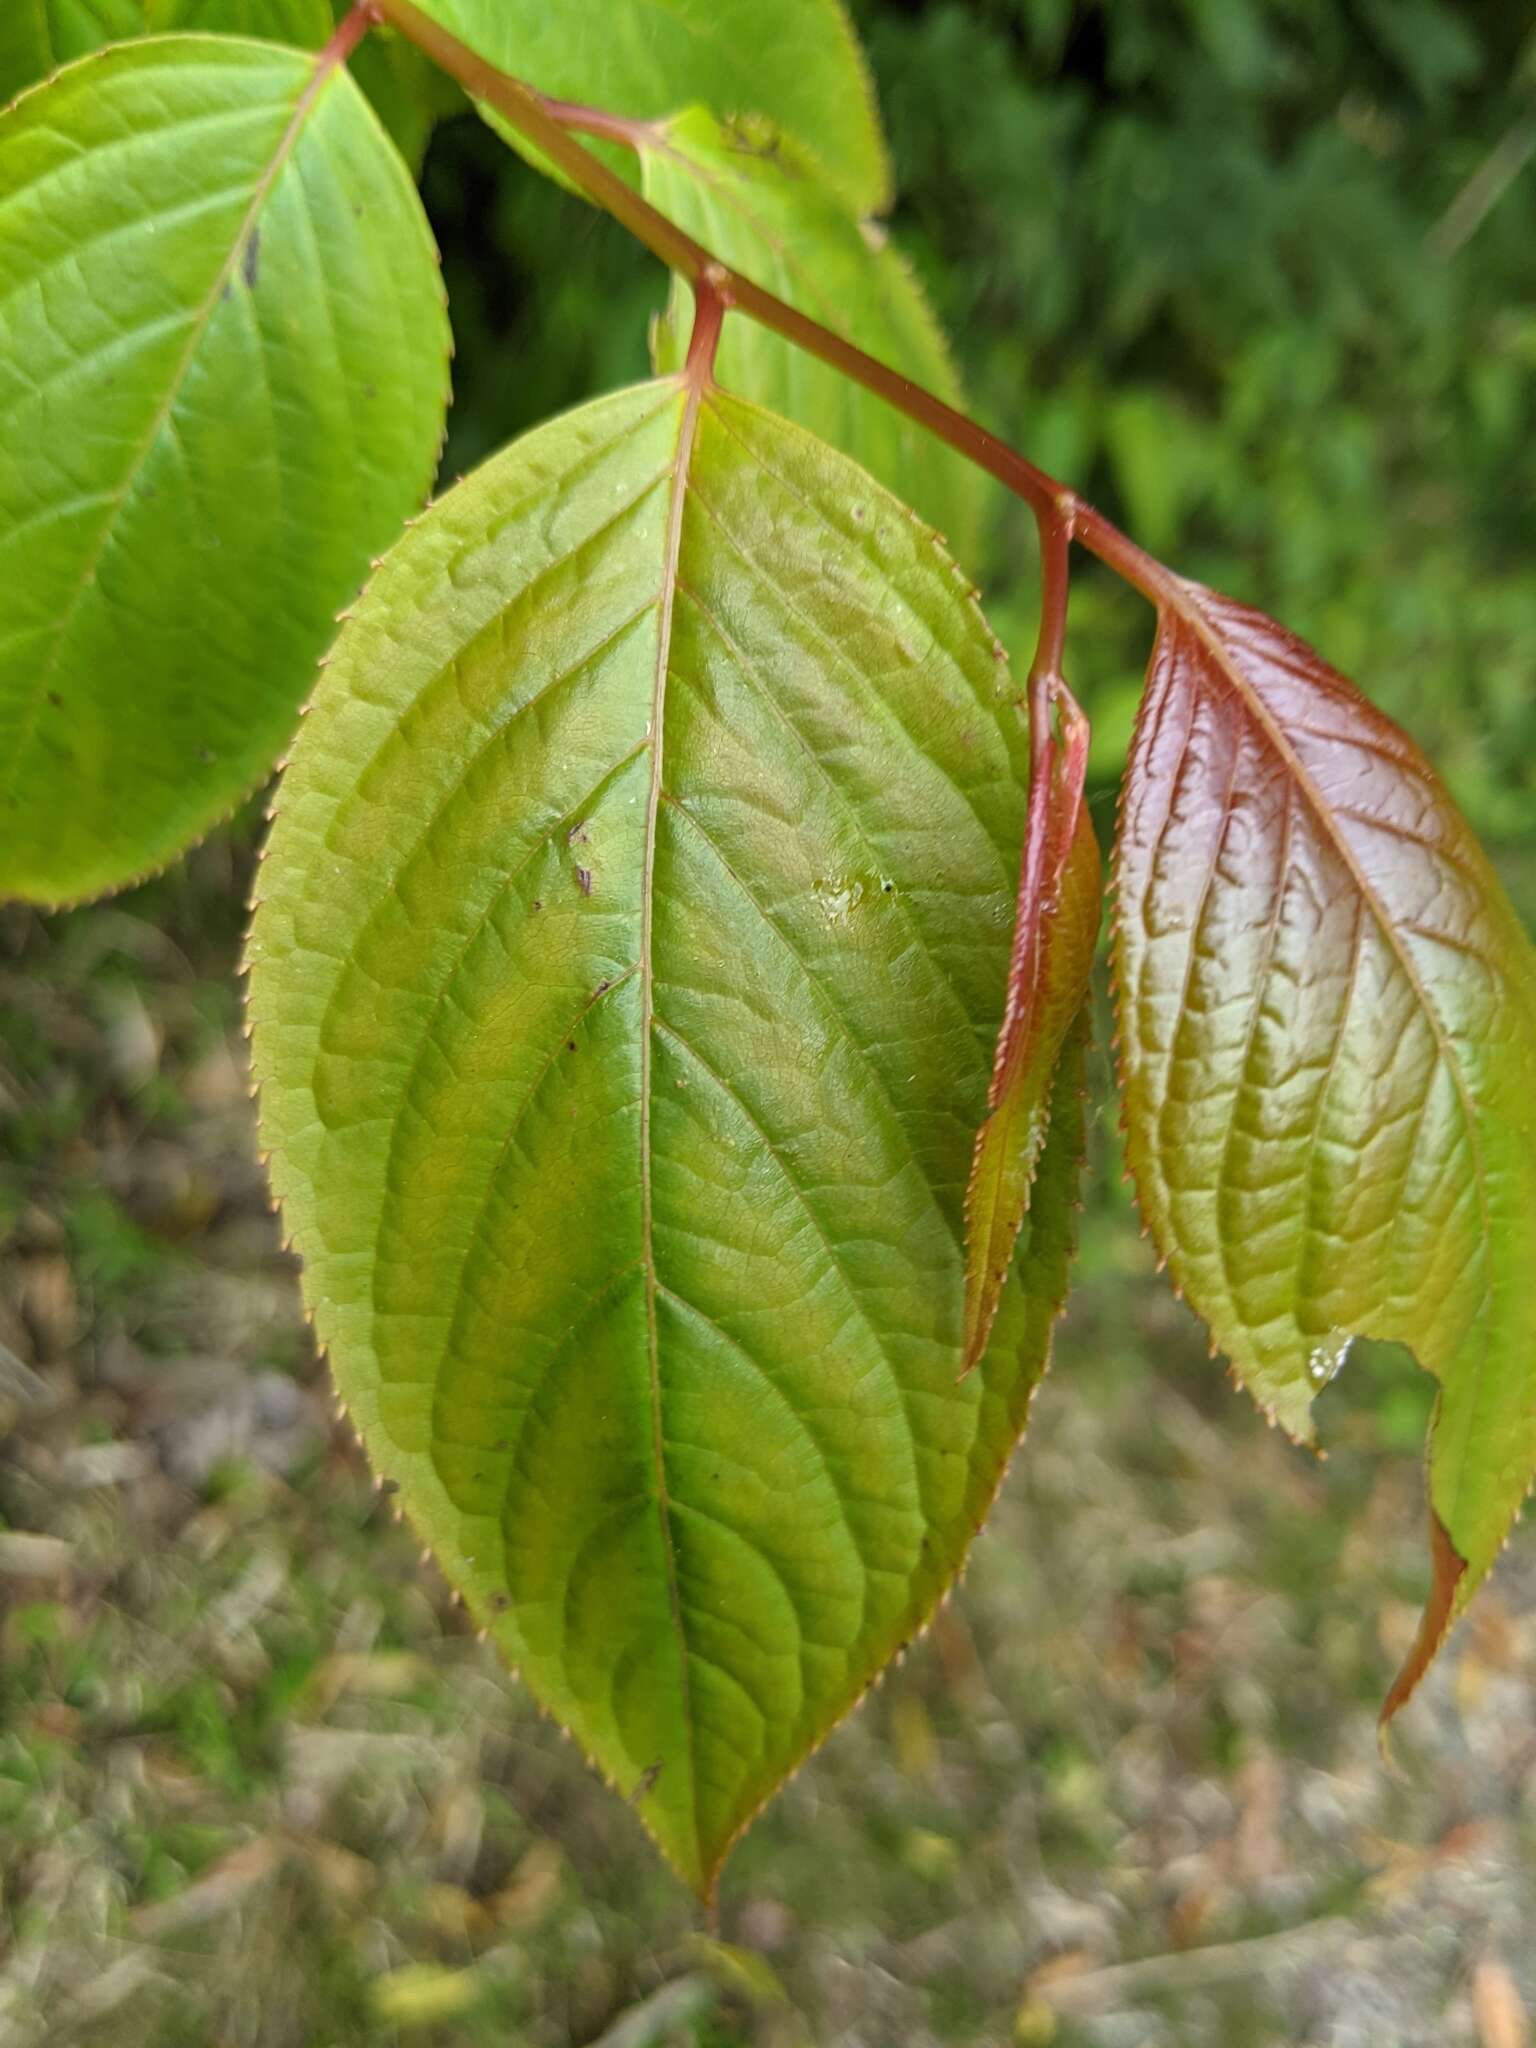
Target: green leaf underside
{"x": 797, "y": 62}
{"x": 1056, "y": 929}
{"x": 223, "y": 378}
{"x": 1327, "y": 1014}
{"x": 760, "y": 204}
{"x": 629, "y": 949}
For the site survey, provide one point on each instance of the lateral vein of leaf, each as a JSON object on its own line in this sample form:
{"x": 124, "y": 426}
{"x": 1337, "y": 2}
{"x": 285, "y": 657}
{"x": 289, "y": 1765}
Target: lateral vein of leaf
{"x": 558, "y": 1351}
{"x": 753, "y": 677}
{"x": 860, "y": 1051}
{"x": 73, "y": 257}
{"x": 726, "y": 200}
{"x": 393, "y": 739}
{"x": 419, "y": 1052}
{"x": 840, "y": 655}
{"x": 227, "y": 117}
{"x": 324, "y": 70}
{"x": 1311, "y": 1228}
{"x": 1192, "y": 957}
{"x": 90, "y": 501}
{"x": 483, "y": 1206}
{"x": 671, "y": 556}
{"x": 802, "y": 1197}
{"x": 1260, "y": 983}
{"x": 750, "y": 1358}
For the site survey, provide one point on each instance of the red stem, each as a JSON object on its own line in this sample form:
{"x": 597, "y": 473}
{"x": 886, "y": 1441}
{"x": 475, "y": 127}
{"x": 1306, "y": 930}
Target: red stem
{"x": 545, "y": 123}
{"x": 711, "y": 301}
{"x": 349, "y": 32}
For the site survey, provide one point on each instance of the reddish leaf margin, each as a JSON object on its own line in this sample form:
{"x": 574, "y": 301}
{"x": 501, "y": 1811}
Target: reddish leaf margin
{"x": 1327, "y": 1030}
{"x": 1056, "y": 928}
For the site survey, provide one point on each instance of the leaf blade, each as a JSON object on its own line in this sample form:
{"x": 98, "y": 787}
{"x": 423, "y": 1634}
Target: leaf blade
{"x": 464, "y": 1068}
{"x": 801, "y": 67}
{"x": 179, "y": 551}
{"x": 1282, "y": 836}
{"x": 1056, "y": 928}
{"x": 759, "y": 203}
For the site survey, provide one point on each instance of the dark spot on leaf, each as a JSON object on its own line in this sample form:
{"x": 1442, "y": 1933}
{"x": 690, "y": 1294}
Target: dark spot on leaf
{"x": 538, "y": 906}
{"x": 55, "y": 700}
{"x": 250, "y": 262}
{"x": 584, "y": 881}
{"x": 501, "y": 1602}
{"x": 646, "y": 1782}
{"x": 577, "y": 836}
{"x": 570, "y": 1045}
{"x": 389, "y": 1486}
{"x": 602, "y": 988}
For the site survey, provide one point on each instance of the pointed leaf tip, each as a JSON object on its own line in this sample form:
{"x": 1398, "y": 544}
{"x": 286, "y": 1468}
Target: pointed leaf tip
{"x": 1448, "y": 1569}
{"x": 709, "y": 1265}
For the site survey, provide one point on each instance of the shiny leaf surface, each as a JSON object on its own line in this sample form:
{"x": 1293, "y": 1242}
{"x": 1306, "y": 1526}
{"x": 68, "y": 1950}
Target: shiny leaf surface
{"x": 1327, "y": 1012}
{"x": 1056, "y": 928}
{"x": 222, "y": 381}
{"x": 759, "y": 203}
{"x": 630, "y": 946}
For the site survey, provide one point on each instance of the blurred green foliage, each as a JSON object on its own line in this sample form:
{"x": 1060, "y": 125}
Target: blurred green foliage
{"x": 1256, "y": 274}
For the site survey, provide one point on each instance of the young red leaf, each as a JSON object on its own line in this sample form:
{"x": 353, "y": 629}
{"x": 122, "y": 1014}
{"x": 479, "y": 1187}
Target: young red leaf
{"x": 1327, "y": 1018}
{"x": 1055, "y": 930}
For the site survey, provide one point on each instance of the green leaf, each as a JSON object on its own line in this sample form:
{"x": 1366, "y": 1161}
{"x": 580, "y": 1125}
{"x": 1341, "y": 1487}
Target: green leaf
{"x": 796, "y": 61}
{"x": 1056, "y": 929}
{"x": 409, "y": 94}
{"x": 222, "y": 378}
{"x": 758, "y": 202}
{"x": 629, "y": 950}
{"x": 37, "y": 36}
{"x": 304, "y": 22}
{"x": 1327, "y": 1015}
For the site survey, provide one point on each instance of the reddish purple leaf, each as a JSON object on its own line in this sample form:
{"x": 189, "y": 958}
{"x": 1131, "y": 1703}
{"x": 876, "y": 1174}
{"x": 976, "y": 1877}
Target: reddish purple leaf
{"x": 1055, "y": 930}
{"x": 1328, "y": 1039}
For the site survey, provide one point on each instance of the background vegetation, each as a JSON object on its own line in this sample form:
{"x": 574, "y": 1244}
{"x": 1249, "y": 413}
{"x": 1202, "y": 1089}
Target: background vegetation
{"x": 1257, "y": 274}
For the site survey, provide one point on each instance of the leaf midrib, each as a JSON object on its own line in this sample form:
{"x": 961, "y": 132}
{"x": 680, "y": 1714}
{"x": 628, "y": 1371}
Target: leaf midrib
{"x": 694, "y": 385}
{"x": 325, "y": 68}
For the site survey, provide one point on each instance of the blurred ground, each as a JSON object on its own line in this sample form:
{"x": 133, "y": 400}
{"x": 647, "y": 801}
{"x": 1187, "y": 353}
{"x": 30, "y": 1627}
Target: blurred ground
{"x": 259, "y": 1789}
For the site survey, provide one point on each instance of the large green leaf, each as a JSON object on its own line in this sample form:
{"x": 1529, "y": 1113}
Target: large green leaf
{"x": 1328, "y": 1033}
{"x": 759, "y": 203}
{"x": 795, "y": 61}
{"x": 222, "y": 385}
{"x": 627, "y": 958}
